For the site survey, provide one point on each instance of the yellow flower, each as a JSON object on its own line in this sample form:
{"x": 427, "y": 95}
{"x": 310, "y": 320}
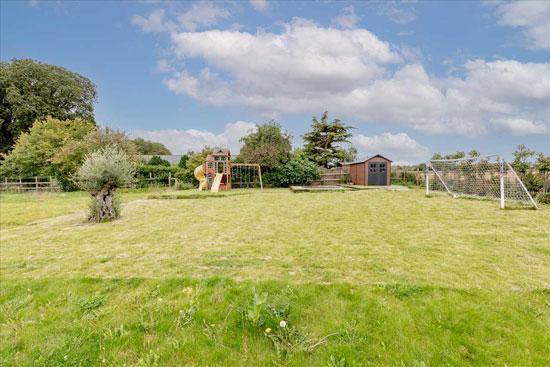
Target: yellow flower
{"x": 268, "y": 330}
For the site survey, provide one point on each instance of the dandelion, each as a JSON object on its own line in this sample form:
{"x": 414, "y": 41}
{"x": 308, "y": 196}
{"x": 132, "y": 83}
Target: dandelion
{"x": 268, "y": 330}
{"x": 282, "y": 323}
{"x": 65, "y": 358}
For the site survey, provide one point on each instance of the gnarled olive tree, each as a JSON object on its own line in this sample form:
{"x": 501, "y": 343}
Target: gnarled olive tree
{"x": 102, "y": 172}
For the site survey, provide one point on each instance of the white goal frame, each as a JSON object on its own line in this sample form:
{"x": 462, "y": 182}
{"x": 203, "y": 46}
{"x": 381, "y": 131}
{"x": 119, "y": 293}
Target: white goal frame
{"x": 457, "y": 177}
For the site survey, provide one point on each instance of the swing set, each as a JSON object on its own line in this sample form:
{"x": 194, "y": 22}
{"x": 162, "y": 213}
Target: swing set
{"x": 217, "y": 173}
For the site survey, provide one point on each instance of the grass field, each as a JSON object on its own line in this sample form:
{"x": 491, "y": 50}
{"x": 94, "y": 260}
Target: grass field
{"x": 362, "y": 278}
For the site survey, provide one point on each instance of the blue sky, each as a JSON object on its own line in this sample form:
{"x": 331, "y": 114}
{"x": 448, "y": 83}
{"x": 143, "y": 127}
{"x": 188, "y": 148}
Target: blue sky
{"x": 414, "y": 78}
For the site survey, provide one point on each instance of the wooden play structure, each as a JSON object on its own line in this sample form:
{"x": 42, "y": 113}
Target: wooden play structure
{"x": 217, "y": 173}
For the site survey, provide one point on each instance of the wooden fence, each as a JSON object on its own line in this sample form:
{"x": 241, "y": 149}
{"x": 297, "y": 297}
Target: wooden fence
{"x": 30, "y": 184}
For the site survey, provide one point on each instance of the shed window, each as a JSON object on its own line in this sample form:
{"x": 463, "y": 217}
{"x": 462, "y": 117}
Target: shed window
{"x": 209, "y": 164}
{"x": 382, "y": 167}
{"x": 372, "y": 167}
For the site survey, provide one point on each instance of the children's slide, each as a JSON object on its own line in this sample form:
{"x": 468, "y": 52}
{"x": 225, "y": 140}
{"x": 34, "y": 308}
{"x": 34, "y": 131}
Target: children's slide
{"x": 199, "y": 175}
{"x": 217, "y": 181}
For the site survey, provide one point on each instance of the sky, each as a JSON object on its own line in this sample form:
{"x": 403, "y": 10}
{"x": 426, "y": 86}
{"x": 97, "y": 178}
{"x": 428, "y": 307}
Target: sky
{"x": 412, "y": 77}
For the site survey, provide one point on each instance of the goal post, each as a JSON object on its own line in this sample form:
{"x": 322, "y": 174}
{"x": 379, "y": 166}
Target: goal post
{"x": 489, "y": 177}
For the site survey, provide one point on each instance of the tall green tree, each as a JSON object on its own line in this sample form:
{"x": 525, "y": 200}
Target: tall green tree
{"x": 522, "y": 156}
{"x": 324, "y": 141}
{"x": 66, "y": 162}
{"x": 269, "y": 146}
{"x": 31, "y": 91}
{"x": 151, "y": 148}
{"x": 35, "y": 150}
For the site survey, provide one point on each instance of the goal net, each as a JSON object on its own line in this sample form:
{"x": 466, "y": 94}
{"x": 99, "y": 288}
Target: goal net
{"x": 487, "y": 177}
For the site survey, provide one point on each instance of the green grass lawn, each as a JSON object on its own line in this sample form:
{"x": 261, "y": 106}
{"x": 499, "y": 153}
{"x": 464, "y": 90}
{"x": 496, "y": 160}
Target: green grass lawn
{"x": 373, "y": 277}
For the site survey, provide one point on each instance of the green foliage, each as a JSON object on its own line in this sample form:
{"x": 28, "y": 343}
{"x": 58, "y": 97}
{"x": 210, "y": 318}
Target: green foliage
{"x": 36, "y": 151}
{"x": 183, "y": 161}
{"x": 106, "y": 168}
{"x": 193, "y": 161}
{"x": 323, "y": 142}
{"x": 32, "y": 91}
{"x": 158, "y": 161}
{"x": 268, "y": 146}
{"x": 297, "y": 170}
{"x": 457, "y": 155}
{"x": 254, "y": 311}
{"x": 521, "y": 162}
{"x": 90, "y": 303}
{"x": 156, "y": 175}
{"x": 72, "y": 156}
{"x": 148, "y": 147}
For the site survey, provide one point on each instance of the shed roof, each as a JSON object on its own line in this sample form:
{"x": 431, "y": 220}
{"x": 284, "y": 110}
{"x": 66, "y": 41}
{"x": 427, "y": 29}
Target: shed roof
{"x": 365, "y": 160}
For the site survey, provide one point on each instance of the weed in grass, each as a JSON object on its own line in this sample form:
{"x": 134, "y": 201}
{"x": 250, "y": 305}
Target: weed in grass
{"x": 89, "y": 304}
{"x": 336, "y": 361}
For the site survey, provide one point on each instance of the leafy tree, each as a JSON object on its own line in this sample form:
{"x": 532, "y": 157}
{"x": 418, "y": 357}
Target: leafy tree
{"x": 323, "y": 143}
{"x": 268, "y": 146}
{"x": 183, "y": 161}
{"x": 457, "y": 155}
{"x": 194, "y": 160}
{"x": 151, "y": 148}
{"x": 102, "y": 172}
{"x": 31, "y": 91}
{"x": 521, "y": 159}
{"x": 67, "y": 161}
{"x": 158, "y": 161}
{"x": 297, "y": 170}
{"x": 35, "y": 152}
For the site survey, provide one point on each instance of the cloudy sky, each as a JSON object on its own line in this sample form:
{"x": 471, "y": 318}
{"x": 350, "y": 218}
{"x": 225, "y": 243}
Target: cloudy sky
{"x": 412, "y": 77}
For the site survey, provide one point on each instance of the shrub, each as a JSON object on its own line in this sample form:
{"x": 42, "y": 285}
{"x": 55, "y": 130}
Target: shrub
{"x": 297, "y": 170}
{"x": 158, "y": 161}
{"x": 102, "y": 172}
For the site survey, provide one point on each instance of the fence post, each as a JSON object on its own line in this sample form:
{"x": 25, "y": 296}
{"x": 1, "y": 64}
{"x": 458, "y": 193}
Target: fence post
{"x": 427, "y": 179}
{"x": 417, "y": 176}
{"x": 169, "y": 179}
{"x": 501, "y": 184}
{"x": 51, "y": 184}
{"x": 36, "y": 182}
{"x": 6, "y": 183}
{"x": 20, "y": 187}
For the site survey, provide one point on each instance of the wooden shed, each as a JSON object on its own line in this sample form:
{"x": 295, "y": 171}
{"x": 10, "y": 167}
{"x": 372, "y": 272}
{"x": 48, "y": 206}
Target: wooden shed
{"x": 374, "y": 171}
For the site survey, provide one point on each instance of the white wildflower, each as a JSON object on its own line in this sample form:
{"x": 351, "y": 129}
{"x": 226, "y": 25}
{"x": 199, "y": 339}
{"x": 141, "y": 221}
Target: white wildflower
{"x": 282, "y": 324}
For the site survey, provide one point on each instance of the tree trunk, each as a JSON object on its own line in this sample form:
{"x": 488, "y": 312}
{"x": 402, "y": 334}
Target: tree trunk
{"x": 105, "y": 209}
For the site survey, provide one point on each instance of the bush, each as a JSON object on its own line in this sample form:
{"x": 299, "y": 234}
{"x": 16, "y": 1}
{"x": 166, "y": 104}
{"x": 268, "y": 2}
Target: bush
{"x": 297, "y": 170}
{"x": 102, "y": 172}
{"x": 155, "y": 175}
{"x": 158, "y": 161}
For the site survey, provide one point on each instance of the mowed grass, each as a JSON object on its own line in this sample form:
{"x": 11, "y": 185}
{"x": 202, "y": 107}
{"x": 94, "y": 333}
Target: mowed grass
{"x": 395, "y": 278}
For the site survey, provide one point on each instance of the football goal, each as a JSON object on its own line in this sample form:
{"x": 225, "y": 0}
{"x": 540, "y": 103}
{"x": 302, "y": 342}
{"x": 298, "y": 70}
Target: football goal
{"x": 489, "y": 177}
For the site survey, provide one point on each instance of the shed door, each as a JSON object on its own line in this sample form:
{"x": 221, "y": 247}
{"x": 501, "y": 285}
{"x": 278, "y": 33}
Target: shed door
{"x": 377, "y": 174}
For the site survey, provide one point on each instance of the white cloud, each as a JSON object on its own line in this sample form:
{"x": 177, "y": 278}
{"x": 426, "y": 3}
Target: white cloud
{"x": 532, "y": 16}
{"x": 395, "y": 12}
{"x": 397, "y": 147}
{"x": 347, "y": 18}
{"x": 200, "y": 15}
{"x": 307, "y": 68}
{"x": 154, "y": 22}
{"x": 260, "y": 5}
{"x": 33, "y": 3}
{"x": 181, "y": 141}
